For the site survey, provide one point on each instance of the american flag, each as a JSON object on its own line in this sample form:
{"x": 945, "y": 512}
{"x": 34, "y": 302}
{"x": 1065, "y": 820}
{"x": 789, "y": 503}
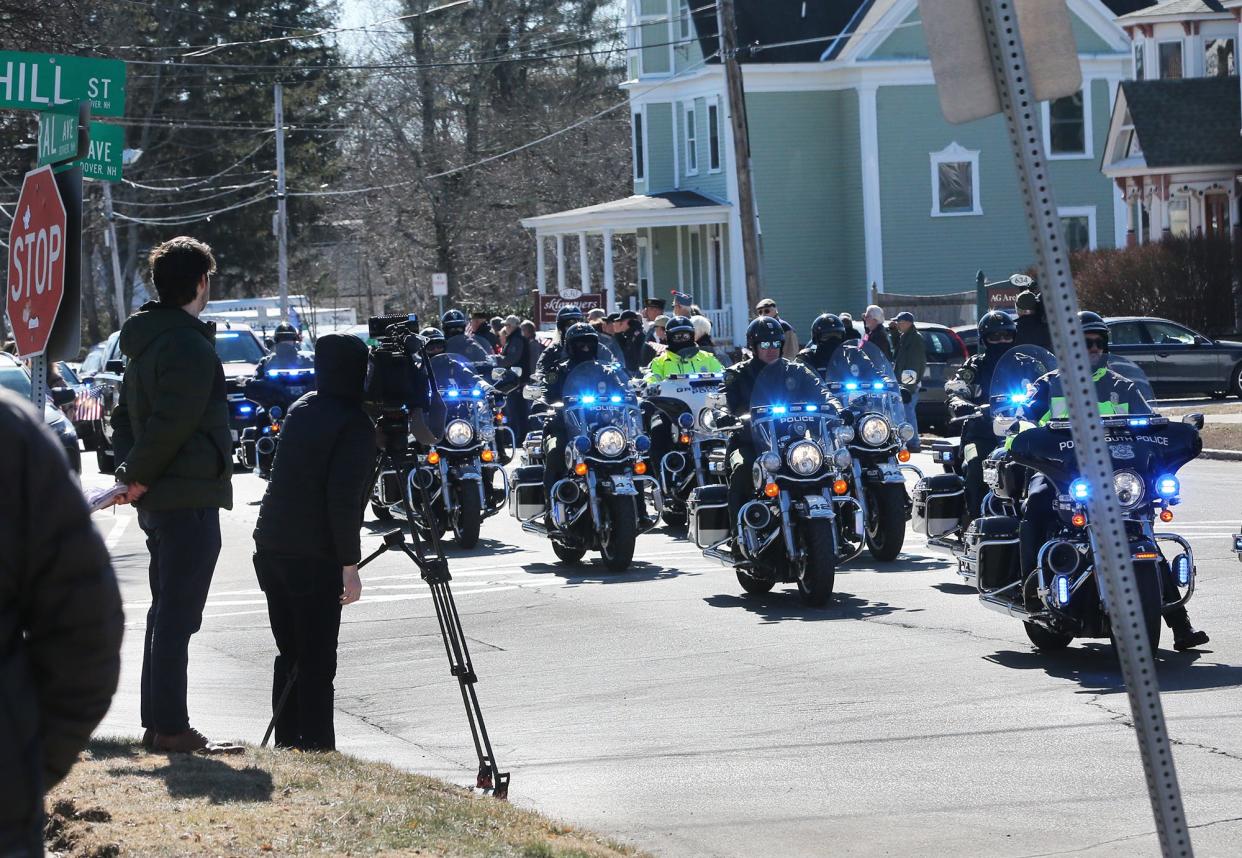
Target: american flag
{"x": 89, "y": 404}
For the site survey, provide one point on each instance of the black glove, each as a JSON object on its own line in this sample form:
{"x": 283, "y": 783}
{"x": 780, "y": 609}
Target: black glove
{"x": 847, "y": 417}
{"x": 905, "y": 396}
{"x": 962, "y": 409}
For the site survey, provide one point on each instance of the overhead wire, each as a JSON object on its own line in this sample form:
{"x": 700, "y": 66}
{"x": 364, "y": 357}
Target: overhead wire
{"x": 218, "y": 192}
{"x": 181, "y": 220}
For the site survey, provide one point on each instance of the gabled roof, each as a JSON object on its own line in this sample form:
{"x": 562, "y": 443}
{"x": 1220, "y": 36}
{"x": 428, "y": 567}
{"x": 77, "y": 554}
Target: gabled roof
{"x": 768, "y": 22}
{"x": 1173, "y": 8}
{"x": 1186, "y": 123}
{"x": 672, "y": 208}
{"x": 1125, "y": 7}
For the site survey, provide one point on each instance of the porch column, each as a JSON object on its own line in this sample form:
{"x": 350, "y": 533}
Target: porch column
{"x": 1166, "y": 228}
{"x": 1131, "y": 238}
{"x": 583, "y": 266}
{"x": 610, "y": 288}
{"x": 560, "y": 262}
{"x": 541, "y": 264}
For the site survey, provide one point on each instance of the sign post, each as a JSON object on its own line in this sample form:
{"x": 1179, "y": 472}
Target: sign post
{"x": 979, "y": 51}
{"x": 439, "y": 288}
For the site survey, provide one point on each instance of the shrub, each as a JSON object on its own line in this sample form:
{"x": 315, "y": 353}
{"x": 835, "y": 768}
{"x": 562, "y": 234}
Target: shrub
{"x": 1188, "y": 280}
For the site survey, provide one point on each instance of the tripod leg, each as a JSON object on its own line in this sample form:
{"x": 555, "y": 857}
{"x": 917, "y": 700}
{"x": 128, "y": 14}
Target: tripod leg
{"x": 280, "y": 705}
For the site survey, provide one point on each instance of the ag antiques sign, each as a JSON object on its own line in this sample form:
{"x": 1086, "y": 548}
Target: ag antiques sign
{"x": 46, "y": 81}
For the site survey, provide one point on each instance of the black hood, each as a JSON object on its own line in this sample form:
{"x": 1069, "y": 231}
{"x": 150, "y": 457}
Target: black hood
{"x": 340, "y": 365}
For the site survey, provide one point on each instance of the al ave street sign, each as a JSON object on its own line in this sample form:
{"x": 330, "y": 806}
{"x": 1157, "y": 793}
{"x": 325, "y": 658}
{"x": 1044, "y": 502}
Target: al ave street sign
{"x": 36, "y": 262}
{"x": 45, "y": 81}
{"x": 60, "y": 133}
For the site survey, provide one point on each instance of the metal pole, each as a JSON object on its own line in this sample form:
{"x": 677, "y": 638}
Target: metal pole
{"x": 116, "y": 255}
{"x": 282, "y": 218}
{"x": 1110, "y": 543}
{"x": 38, "y": 380}
{"x": 735, "y": 91}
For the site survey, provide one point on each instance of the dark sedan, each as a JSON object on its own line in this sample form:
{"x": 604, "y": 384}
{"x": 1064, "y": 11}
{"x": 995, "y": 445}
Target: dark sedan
{"x": 1177, "y": 360}
{"x": 14, "y": 377}
{"x": 945, "y": 353}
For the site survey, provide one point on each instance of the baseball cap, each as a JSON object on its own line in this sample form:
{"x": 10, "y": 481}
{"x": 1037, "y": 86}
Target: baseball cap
{"x": 613, "y": 317}
{"x": 626, "y": 315}
{"x": 904, "y": 317}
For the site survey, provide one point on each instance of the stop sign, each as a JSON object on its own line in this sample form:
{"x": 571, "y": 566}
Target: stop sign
{"x": 36, "y": 262}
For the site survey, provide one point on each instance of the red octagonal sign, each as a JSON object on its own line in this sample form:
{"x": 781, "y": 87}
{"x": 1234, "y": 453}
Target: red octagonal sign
{"x": 36, "y": 262}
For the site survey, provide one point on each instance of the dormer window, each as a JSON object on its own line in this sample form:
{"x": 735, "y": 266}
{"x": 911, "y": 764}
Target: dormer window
{"x": 1170, "y": 60}
{"x": 1218, "y": 58}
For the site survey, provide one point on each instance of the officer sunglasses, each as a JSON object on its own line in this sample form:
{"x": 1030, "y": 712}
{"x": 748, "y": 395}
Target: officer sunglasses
{"x": 775, "y": 344}
{"x": 1096, "y": 343}
{"x": 1001, "y": 337}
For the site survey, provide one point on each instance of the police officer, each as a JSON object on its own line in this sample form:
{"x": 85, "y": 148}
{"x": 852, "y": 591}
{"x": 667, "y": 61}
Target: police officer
{"x": 827, "y": 334}
{"x": 433, "y": 341}
{"x": 458, "y": 341}
{"x": 1115, "y": 395}
{"x": 967, "y": 390}
{"x": 682, "y": 357}
{"x": 765, "y": 337}
{"x": 284, "y": 353}
{"x": 566, "y": 317}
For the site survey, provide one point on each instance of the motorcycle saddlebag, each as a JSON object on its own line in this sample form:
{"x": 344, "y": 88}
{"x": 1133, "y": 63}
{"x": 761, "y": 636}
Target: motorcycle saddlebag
{"x": 993, "y": 541}
{"x": 390, "y": 488}
{"x": 939, "y": 501}
{"x": 526, "y": 499}
{"x": 708, "y": 513}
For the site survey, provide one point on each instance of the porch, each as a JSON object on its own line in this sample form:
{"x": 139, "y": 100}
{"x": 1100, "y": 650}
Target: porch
{"x": 681, "y": 242}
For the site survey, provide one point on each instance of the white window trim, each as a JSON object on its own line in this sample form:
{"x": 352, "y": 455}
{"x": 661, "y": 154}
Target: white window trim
{"x": 640, "y": 22}
{"x": 1082, "y": 211}
{"x": 685, "y": 29}
{"x": 1181, "y": 45}
{"x": 690, "y": 137}
{"x": 1088, "y": 138}
{"x": 646, "y": 165}
{"x": 719, "y": 136}
{"x": 952, "y": 153}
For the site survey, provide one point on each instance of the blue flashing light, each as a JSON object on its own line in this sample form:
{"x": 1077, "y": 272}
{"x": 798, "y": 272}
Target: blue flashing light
{"x": 616, "y": 397}
{"x": 477, "y": 392}
{"x": 1167, "y": 486}
{"x": 778, "y": 409}
{"x": 877, "y": 385}
{"x": 245, "y": 409}
{"x": 227, "y": 335}
{"x": 694, "y": 376}
{"x": 1182, "y": 569}
{"x": 1080, "y": 490}
{"x": 812, "y": 408}
{"x": 851, "y": 385}
{"x": 642, "y": 443}
{"x": 453, "y": 394}
{"x": 583, "y": 443}
{"x": 686, "y": 420}
{"x": 1061, "y": 590}
{"x": 1140, "y": 421}
{"x": 588, "y": 400}
{"x": 267, "y": 430}
{"x": 1018, "y": 398}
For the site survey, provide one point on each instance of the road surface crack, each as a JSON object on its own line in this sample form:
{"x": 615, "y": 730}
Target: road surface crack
{"x": 1125, "y": 719}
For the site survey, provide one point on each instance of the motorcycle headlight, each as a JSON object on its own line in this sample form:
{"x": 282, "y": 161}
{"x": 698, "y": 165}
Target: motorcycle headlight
{"x": 845, "y": 434}
{"x": 707, "y": 417}
{"x": 1129, "y": 488}
{"x": 805, "y": 458}
{"x": 842, "y": 458}
{"x": 770, "y": 462}
{"x": 906, "y": 431}
{"x": 459, "y": 433}
{"x": 875, "y": 430}
{"x": 610, "y": 441}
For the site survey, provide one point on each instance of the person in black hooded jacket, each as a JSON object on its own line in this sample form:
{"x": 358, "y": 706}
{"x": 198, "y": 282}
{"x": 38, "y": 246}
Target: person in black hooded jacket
{"x": 307, "y": 543}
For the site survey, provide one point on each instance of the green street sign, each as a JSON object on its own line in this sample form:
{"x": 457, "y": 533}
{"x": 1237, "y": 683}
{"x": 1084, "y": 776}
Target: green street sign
{"x": 46, "y": 81}
{"x": 63, "y": 133}
{"x": 104, "y": 154}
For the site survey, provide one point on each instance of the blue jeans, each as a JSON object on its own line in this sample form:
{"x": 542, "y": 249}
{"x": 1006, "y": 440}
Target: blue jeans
{"x": 912, "y": 418}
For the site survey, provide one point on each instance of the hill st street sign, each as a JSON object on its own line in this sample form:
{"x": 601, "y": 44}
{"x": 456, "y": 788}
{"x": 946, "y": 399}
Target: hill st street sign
{"x": 46, "y": 81}
{"x": 36, "y": 282}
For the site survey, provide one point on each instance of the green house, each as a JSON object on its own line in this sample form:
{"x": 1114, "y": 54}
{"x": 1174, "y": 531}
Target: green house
{"x": 859, "y": 180}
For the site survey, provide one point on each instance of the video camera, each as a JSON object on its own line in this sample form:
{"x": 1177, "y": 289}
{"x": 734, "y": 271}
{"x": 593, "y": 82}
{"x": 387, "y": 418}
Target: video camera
{"x": 396, "y": 379}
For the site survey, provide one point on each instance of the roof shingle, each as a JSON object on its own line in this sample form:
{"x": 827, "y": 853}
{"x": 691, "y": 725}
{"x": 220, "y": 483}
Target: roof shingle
{"x": 1190, "y": 122}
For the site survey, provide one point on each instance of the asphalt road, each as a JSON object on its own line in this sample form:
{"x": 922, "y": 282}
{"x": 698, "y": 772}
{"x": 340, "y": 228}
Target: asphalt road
{"x": 665, "y": 707}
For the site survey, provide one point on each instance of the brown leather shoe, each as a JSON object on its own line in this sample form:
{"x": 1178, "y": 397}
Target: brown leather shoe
{"x": 148, "y": 737}
{"x": 185, "y": 742}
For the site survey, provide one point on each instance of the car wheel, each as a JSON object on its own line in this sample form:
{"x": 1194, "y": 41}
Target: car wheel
{"x": 1235, "y": 381}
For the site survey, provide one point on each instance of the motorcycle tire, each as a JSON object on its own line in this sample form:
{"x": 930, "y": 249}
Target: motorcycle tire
{"x": 753, "y": 586}
{"x": 572, "y": 556}
{"x": 620, "y": 533}
{"x": 1046, "y": 640}
{"x": 381, "y": 512}
{"x": 1147, "y": 576}
{"x": 468, "y": 517}
{"x": 886, "y": 522}
{"x": 673, "y": 519}
{"x": 820, "y": 573}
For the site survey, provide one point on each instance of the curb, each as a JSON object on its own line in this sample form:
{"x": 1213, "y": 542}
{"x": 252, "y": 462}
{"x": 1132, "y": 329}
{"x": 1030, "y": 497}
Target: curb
{"x": 1225, "y": 455}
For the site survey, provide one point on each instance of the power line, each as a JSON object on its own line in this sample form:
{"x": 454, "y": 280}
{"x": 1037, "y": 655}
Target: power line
{"x": 181, "y": 220}
{"x": 218, "y": 192}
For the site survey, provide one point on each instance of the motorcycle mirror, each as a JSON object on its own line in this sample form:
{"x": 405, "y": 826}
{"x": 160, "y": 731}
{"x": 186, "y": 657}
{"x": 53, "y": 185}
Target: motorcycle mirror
{"x": 275, "y": 412}
{"x": 1195, "y": 419}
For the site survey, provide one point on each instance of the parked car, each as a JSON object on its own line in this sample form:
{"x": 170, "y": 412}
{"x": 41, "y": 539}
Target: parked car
{"x": 945, "y": 353}
{"x": 15, "y": 377}
{"x": 239, "y": 350}
{"x": 1178, "y": 361}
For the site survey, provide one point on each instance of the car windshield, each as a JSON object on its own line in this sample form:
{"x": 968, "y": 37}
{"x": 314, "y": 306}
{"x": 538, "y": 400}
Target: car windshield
{"x": 238, "y": 347}
{"x": 14, "y": 378}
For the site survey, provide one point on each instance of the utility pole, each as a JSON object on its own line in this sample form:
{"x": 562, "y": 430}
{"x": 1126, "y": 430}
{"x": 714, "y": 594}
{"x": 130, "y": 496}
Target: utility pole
{"x": 727, "y": 25}
{"x": 282, "y": 216}
{"x": 116, "y": 254}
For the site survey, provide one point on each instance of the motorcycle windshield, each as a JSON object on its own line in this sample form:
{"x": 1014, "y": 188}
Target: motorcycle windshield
{"x": 863, "y": 379}
{"x": 1141, "y": 399}
{"x": 468, "y": 348}
{"x": 455, "y": 377}
{"x": 787, "y": 400}
{"x": 1013, "y": 380}
{"x": 597, "y": 394}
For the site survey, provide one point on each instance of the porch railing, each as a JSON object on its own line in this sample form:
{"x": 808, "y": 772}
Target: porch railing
{"x": 722, "y": 325}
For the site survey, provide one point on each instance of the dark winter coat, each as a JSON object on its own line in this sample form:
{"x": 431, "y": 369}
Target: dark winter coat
{"x": 324, "y": 462}
{"x": 911, "y": 353}
{"x": 1032, "y": 331}
{"x": 879, "y": 336}
{"x": 171, "y": 425}
{"x": 60, "y": 617}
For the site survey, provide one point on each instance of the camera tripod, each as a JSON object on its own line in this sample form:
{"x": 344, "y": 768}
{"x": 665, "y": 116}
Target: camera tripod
{"x": 433, "y": 567}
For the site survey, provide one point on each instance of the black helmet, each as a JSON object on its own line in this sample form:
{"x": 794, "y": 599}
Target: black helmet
{"x": 827, "y": 329}
{"x": 285, "y": 333}
{"x": 570, "y": 314}
{"x": 1092, "y": 323}
{"x": 434, "y": 341}
{"x": 454, "y": 323}
{"x": 679, "y": 332}
{"x": 995, "y": 322}
{"x": 581, "y": 343}
{"x": 764, "y": 329}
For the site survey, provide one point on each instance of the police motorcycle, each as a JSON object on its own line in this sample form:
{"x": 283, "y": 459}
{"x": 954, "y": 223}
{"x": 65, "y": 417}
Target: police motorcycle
{"x": 683, "y": 408}
{"x": 798, "y": 525}
{"x": 1061, "y": 599}
{"x": 863, "y": 380}
{"x": 269, "y": 394}
{"x": 600, "y": 503}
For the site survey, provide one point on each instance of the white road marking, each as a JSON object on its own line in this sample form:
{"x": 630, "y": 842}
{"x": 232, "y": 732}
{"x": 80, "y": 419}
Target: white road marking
{"x": 118, "y": 530}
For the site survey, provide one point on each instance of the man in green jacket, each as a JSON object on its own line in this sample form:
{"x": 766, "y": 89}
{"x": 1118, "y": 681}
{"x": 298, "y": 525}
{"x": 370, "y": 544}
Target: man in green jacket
{"x": 909, "y": 360}
{"x": 171, "y": 436}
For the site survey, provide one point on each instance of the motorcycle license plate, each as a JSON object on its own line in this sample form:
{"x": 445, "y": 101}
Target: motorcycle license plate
{"x": 623, "y": 486}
